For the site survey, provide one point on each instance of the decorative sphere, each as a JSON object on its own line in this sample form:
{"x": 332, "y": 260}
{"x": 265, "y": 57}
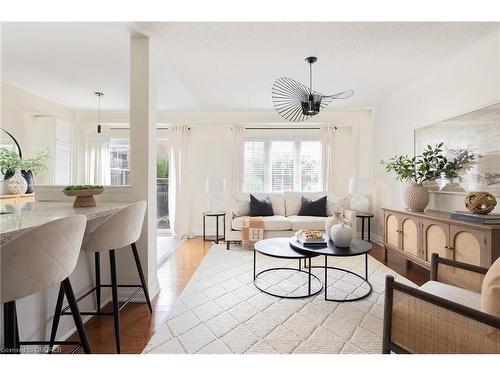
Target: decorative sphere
{"x": 341, "y": 235}
{"x": 480, "y": 202}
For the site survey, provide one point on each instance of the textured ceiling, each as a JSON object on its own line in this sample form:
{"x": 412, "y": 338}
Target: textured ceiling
{"x": 228, "y": 65}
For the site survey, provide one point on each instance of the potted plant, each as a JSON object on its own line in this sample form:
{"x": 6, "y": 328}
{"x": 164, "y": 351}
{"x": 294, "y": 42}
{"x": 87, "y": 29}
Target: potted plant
{"x": 417, "y": 169}
{"x": 84, "y": 194}
{"x": 462, "y": 160}
{"x": 10, "y": 161}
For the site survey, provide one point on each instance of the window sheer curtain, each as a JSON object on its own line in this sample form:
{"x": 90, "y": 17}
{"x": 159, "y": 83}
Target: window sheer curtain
{"x": 98, "y": 163}
{"x": 178, "y": 192}
{"x": 237, "y": 178}
{"x": 327, "y": 146}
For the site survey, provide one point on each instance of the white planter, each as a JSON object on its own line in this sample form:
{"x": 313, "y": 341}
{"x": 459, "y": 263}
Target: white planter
{"x": 416, "y": 197}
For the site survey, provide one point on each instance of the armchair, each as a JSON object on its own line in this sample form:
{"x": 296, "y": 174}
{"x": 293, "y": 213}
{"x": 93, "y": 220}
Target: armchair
{"x": 442, "y": 316}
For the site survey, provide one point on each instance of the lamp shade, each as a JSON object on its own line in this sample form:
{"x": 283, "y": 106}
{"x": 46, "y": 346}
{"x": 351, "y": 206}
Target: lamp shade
{"x": 359, "y": 186}
{"x": 215, "y": 185}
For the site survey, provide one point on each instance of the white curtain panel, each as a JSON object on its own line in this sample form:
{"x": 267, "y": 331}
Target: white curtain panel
{"x": 238, "y": 133}
{"x": 327, "y": 145}
{"x": 178, "y": 192}
{"x": 98, "y": 164}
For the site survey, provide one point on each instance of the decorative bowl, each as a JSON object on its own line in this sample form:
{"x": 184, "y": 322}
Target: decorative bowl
{"x": 84, "y": 196}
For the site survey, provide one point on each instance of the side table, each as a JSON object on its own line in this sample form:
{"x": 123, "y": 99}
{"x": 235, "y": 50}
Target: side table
{"x": 368, "y": 217}
{"x": 217, "y": 215}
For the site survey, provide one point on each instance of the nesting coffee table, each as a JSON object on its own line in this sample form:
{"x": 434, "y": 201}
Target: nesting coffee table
{"x": 290, "y": 248}
{"x": 280, "y": 248}
{"x": 357, "y": 247}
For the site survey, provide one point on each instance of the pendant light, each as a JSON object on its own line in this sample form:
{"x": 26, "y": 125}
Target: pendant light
{"x": 99, "y": 137}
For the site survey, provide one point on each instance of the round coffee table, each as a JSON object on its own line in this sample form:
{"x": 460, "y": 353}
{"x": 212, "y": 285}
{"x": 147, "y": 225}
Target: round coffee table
{"x": 280, "y": 248}
{"x": 357, "y": 247}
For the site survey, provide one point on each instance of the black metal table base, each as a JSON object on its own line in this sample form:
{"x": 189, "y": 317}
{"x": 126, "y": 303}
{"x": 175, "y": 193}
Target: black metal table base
{"x": 307, "y": 270}
{"x": 364, "y": 279}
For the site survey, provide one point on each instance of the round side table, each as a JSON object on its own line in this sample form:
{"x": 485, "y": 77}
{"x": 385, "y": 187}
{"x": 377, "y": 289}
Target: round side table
{"x": 368, "y": 217}
{"x": 216, "y": 215}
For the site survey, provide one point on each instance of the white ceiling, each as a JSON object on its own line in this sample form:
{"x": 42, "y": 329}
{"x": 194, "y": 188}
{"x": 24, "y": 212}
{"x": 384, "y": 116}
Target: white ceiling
{"x": 227, "y": 65}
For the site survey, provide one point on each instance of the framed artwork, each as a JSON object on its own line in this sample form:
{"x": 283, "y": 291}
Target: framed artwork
{"x": 472, "y": 139}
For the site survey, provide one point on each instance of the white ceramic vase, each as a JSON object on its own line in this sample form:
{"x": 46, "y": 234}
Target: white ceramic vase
{"x": 331, "y": 221}
{"x": 341, "y": 235}
{"x": 17, "y": 183}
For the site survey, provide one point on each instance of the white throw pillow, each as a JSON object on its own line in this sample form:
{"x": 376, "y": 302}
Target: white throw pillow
{"x": 241, "y": 207}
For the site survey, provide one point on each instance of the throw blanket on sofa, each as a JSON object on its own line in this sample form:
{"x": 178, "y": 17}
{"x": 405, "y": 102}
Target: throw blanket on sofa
{"x": 252, "y": 231}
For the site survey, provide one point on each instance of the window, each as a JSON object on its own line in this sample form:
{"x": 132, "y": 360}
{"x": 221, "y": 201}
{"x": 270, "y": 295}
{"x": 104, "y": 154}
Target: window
{"x": 120, "y": 161}
{"x": 282, "y": 165}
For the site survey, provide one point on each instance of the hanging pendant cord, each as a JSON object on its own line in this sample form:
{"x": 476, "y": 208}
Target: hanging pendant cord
{"x": 310, "y": 78}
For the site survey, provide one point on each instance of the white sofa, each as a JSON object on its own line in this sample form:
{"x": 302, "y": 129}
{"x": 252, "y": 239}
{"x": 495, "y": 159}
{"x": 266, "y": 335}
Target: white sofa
{"x": 285, "y": 221}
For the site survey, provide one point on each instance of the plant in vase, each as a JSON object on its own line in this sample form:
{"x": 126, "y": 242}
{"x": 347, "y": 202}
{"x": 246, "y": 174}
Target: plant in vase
{"x": 416, "y": 170}
{"x": 462, "y": 160}
{"x": 10, "y": 162}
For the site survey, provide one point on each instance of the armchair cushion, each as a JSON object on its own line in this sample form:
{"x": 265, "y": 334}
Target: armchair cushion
{"x": 453, "y": 293}
{"x": 490, "y": 293}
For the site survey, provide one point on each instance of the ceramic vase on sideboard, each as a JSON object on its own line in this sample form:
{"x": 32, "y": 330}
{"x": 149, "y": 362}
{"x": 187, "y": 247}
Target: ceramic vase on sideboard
{"x": 17, "y": 183}
{"x": 416, "y": 197}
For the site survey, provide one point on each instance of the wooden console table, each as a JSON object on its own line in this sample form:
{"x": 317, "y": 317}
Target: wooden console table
{"x": 15, "y": 199}
{"x": 416, "y": 235}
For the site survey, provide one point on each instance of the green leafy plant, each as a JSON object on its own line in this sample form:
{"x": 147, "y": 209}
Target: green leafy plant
{"x": 463, "y": 160}
{"x": 9, "y": 161}
{"x": 426, "y": 167}
{"x": 161, "y": 168}
{"x": 83, "y": 187}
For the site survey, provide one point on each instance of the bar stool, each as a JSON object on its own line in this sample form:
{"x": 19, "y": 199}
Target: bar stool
{"x": 119, "y": 230}
{"x": 37, "y": 260}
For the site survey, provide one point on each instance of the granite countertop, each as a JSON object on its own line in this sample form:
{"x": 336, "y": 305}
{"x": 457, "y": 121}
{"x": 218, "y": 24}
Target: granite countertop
{"x": 29, "y": 215}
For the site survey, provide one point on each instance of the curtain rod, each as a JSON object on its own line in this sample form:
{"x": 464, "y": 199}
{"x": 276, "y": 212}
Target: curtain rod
{"x": 252, "y": 128}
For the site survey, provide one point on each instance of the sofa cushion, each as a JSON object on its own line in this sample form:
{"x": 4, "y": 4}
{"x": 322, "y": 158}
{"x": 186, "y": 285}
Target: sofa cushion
{"x": 459, "y": 295}
{"x": 241, "y": 203}
{"x": 490, "y": 292}
{"x": 313, "y": 208}
{"x": 293, "y": 200}
{"x": 307, "y": 222}
{"x": 261, "y": 207}
{"x": 271, "y": 223}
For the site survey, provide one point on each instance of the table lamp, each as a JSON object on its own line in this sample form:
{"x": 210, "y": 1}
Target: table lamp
{"x": 215, "y": 187}
{"x": 358, "y": 187}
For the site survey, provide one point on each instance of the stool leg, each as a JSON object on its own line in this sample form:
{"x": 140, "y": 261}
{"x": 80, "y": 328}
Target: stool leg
{"x": 70, "y": 296}
{"x": 97, "y": 257}
{"x": 141, "y": 275}
{"x": 57, "y": 317}
{"x": 116, "y": 304}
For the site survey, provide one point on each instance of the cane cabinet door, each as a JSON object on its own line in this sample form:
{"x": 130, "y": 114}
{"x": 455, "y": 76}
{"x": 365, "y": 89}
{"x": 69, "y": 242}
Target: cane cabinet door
{"x": 392, "y": 229}
{"x": 410, "y": 235}
{"x": 436, "y": 239}
{"x": 468, "y": 245}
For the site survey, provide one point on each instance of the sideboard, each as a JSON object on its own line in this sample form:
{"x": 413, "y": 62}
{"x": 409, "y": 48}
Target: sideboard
{"x": 416, "y": 235}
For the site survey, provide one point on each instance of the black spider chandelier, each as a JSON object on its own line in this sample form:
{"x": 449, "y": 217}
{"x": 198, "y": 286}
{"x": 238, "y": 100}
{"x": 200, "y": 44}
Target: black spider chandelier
{"x": 296, "y": 102}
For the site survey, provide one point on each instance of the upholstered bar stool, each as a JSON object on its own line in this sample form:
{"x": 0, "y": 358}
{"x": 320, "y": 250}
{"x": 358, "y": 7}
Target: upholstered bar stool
{"x": 118, "y": 231}
{"x": 35, "y": 261}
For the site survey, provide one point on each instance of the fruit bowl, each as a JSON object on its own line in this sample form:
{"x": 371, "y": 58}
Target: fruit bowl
{"x": 84, "y": 194}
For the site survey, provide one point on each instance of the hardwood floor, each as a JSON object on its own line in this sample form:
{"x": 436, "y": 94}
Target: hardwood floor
{"x": 137, "y": 325}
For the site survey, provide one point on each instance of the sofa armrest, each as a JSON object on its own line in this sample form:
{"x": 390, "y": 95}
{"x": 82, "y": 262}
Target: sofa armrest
{"x": 420, "y": 322}
{"x": 462, "y": 275}
{"x": 350, "y": 218}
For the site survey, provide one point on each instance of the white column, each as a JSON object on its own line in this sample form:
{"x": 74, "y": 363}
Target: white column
{"x": 143, "y": 148}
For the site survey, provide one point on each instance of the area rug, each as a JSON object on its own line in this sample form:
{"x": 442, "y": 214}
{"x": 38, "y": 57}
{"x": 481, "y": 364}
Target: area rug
{"x": 221, "y": 311}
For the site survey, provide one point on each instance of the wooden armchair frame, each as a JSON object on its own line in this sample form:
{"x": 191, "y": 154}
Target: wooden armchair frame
{"x": 419, "y": 322}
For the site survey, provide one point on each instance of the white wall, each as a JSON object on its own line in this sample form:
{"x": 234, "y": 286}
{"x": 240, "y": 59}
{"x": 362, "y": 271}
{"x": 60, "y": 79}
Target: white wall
{"x": 469, "y": 81}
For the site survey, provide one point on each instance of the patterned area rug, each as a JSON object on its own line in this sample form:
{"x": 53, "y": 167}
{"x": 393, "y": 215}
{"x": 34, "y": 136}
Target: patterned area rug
{"x": 221, "y": 310}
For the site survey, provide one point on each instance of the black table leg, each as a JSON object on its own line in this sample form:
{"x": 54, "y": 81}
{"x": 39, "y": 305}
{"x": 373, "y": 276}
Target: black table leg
{"x": 204, "y": 228}
{"x": 309, "y": 286}
{"x": 216, "y": 229}
{"x": 254, "y": 263}
{"x": 326, "y": 279}
{"x": 9, "y": 316}
{"x": 224, "y": 229}
{"x": 369, "y": 230}
{"x": 362, "y": 228}
{"x": 366, "y": 266}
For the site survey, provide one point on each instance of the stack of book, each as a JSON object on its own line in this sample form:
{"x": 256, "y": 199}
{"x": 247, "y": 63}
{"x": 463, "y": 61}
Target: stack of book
{"x": 311, "y": 238}
{"x": 475, "y": 218}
